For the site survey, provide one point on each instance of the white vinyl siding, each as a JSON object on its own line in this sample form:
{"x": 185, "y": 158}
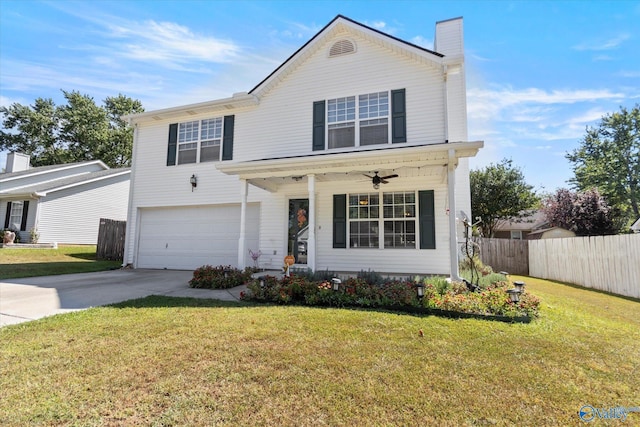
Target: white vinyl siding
{"x": 72, "y": 215}
{"x": 269, "y": 131}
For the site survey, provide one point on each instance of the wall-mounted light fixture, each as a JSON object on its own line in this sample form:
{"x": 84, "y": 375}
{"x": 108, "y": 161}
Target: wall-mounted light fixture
{"x": 194, "y": 181}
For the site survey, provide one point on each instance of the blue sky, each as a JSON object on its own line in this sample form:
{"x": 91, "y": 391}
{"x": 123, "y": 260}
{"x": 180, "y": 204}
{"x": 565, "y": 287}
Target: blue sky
{"x": 538, "y": 72}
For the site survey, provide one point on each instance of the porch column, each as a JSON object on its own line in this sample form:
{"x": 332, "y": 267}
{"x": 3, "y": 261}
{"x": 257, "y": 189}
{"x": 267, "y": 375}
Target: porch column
{"x": 311, "y": 243}
{"x": 243, "y": 225}
{"x": 451, "y": 194}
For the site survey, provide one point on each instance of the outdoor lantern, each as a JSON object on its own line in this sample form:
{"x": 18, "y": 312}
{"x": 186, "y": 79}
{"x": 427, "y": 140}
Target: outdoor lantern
{"x": 519, "y": 286}
{"x": 514, "y": 295}
{"x": 504, "y": 273}
{"x": 194, "y": 181}
{"x": 420, "y": 290}
{"x": 336, "y": 283}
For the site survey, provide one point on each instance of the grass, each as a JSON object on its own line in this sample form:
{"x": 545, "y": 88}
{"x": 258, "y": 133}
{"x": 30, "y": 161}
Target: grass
{"x": 18, "y": 263}
{"x": 168, "y": 361}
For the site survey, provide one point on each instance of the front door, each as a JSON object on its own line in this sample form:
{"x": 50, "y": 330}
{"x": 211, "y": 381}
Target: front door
{"x": 297, "y": 242}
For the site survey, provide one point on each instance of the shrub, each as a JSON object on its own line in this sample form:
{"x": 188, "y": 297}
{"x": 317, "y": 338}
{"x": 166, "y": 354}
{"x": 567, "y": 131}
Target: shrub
{"x": 220, "y": 277}
{"x": 371, "y": 277}
{"x": 398, "y": 294}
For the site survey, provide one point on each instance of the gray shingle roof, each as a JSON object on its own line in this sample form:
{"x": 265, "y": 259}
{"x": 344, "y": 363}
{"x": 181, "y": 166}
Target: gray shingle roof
{"x": 63, "y": 182}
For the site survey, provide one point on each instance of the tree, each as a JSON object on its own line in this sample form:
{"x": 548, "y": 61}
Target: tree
{"x": 586, "y": 213}
{"x": 609, "y": 159}
{"x": 77, "y": 131}
{"x": 499, "y": 192}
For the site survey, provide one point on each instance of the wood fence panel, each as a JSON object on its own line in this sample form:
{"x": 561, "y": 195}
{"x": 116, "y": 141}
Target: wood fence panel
{"x": 111, "y": 240}
{"x": 507, "y": 255}
{"x": 607, "y": 263}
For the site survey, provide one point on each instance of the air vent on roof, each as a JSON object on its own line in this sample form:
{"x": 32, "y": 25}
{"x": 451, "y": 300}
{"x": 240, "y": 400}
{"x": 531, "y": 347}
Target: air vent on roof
{"x": 342, "y": 47}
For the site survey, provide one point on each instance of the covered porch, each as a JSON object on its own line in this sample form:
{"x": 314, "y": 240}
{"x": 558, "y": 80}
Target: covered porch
{"x": 348, "y": 169}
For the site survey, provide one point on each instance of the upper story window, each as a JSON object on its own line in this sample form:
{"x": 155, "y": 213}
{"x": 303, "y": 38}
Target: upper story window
{"x": 362, "y": 119}
{"x": 199, "y": 141}
{"x": 356, "y": 121}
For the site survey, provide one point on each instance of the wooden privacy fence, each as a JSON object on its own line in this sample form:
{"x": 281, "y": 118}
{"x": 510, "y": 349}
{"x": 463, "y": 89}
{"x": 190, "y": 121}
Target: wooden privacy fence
{"x": 111, "y": 239}
{"x": 607, "y": 263}
{"x": 507, "y": 255}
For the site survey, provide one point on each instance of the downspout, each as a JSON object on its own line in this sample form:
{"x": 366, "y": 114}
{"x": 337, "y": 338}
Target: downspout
{"x": 453, "y": 238}
{"x": 451, "y": 185}
{"x": 132, "y": 175}
{"x": 445, "y": 101}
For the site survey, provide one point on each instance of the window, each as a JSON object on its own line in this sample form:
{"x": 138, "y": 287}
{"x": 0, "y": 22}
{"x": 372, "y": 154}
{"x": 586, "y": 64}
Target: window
{"x": 341, "y": 115}
{"x": 372, "y": 120}
{"x": 364, "y": 211}
{"x": 398, "y": 220}
{"x": 199, "y": 141}
{"x": 373, "y": 113}
{"x": 15, "y": 217}
{"x": 516, "y": 234}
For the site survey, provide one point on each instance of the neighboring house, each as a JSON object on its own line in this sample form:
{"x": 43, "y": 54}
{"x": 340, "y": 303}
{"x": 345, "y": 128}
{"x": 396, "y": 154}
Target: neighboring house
{"x": 281, "y": 169}
{"x": 64, "y": 203}
{"x": 550, "y": 233}
{"x": 635, "y": 227}
{"x": 519, "y": 229}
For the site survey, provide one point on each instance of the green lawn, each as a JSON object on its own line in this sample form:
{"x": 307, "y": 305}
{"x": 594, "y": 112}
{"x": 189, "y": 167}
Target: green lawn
{"x": 45, "y": 262}
{"x": 164, "y": 361}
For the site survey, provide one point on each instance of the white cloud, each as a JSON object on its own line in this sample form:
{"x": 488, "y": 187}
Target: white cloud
{"x": 423, "y": 42}
{"x": 167, "y": 41}
{"x": 628, "y": 73}
{"x": 607, "y": 44}
{"x": 378, "y": 25}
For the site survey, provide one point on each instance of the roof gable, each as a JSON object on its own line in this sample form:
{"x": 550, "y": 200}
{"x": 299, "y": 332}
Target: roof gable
{"x": 338, "y": 25}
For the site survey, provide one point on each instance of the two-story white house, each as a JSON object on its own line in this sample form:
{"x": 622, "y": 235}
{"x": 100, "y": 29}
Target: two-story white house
{"x": 352, "y": 155}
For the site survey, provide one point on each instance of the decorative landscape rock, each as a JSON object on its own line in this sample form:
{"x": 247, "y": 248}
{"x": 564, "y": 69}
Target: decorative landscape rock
{"x": 8, "y": 238}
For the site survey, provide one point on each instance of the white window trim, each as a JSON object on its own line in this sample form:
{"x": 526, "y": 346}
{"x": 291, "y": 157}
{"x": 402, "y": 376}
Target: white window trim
{"x": 381, "y": 220}
{"x": 357, "y": 122}
{"x": 199, "y": 140}
{"x": 516, "y": 235}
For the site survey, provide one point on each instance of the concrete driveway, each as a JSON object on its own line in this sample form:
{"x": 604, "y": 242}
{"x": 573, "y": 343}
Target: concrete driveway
{"x": 32, "y": 298}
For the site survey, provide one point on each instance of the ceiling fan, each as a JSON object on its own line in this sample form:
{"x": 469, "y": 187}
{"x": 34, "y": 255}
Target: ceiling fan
{"x": 377, "y": 180}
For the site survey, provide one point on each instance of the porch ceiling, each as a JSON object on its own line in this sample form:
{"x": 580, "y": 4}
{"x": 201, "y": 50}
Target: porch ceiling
{"x": 269, "y": 174}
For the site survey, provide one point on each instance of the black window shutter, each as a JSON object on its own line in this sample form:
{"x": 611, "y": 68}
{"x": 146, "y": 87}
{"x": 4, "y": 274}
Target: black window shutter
{"x": 339, "y": 220}
{"x": 25, "y": 211}
{"x": 427, "y": 219}
{"x": 227, "y": 138}
{"x": 398, "y": 116}
{"x": 318, "y": 125}
{"x": 173, "y": 144}
{"x": 6, "y": 218}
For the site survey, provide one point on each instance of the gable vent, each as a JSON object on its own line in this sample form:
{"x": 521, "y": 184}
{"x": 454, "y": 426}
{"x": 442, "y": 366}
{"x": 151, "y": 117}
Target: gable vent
{"x": 342, "y": 47}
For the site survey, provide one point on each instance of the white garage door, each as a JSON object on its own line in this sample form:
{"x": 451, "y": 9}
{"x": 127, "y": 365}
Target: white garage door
{"x": 185, "y": 238}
